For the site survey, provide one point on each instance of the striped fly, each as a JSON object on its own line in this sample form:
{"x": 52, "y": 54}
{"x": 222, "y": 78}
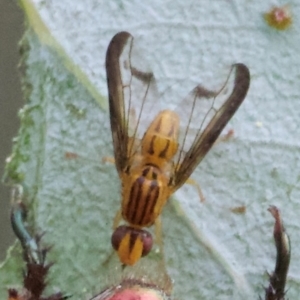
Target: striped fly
{"x": 156, "y": 150}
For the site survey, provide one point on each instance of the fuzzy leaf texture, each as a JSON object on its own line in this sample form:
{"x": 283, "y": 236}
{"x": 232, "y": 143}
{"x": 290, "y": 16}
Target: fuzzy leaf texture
{"x": 72, "y": 196}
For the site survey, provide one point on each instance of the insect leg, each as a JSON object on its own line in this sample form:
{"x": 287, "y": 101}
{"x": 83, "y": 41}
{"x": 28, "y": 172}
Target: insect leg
{"x": 193, "y": 182}
{"x": 117, "y": 219}
{"x": 108, "y": 159}
{"x": 158, "y": 235}
{"x": 276, "y": 288}
{"x": 221, "y": 139}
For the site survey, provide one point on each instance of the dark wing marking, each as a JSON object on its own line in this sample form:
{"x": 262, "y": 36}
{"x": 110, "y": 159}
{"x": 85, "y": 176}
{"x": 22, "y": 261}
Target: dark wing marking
{"x": 212, "y": 110}
{"x": 116, "y": 97}
{"x": 132, "y": 97}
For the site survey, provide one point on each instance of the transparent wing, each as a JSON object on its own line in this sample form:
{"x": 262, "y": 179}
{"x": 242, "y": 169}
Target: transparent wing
{"x": 133, "y": 97}
{"x": 203, "y": 115}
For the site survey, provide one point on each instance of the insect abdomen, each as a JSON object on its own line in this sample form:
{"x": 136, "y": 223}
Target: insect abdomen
{"x": 142, "y": 200}
{"x": 161, "y": 138}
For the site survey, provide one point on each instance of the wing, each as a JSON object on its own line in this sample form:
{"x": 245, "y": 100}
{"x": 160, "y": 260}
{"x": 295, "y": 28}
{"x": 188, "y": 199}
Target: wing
{"x": 133, "y": 96}
{"x": 203, "y": 119}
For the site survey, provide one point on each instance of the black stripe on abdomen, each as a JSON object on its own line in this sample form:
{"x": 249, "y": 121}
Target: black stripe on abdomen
{"x": 143, "y": 198}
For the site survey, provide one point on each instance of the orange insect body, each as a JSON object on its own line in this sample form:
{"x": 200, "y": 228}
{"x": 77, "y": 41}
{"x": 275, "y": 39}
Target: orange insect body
{"x": 145, "y": 187}
{"x": 154, "y": 153}
{"x": 160, "y": 142}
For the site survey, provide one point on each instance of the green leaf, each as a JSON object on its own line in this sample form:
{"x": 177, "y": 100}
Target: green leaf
{"x": 211, "y": 253}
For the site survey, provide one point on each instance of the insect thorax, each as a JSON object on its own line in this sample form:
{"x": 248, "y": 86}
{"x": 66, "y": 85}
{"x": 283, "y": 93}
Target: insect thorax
{"x": 144, "y": 195}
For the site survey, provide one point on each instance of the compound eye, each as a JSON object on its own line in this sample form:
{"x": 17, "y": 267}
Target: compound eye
{"x": 131, "y": 243}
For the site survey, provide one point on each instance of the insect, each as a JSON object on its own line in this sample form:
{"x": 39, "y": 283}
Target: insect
{"x": 157, "y": 151}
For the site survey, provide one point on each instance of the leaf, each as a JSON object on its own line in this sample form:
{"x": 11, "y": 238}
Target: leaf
{"x": 210, "y": 251}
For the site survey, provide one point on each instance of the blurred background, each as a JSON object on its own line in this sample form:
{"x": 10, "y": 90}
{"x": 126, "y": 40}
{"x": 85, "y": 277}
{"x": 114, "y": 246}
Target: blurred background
{"x": 11, "y": 29}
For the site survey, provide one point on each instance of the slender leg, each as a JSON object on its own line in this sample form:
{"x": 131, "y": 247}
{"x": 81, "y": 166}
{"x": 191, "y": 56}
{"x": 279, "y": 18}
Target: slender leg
{"x": 197, "y": 186}
{"x": 117, "y": 219}
{"x": 108, "y": 159}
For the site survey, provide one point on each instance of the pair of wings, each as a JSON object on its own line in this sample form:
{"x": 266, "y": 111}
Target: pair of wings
{"x": 133, "y": 104}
